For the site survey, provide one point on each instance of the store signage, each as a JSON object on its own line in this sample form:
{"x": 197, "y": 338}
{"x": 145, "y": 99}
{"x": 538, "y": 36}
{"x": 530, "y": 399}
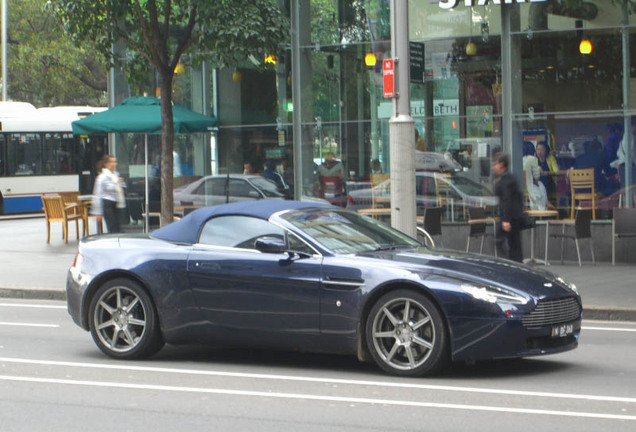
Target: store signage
{"x": 416, "y": 55}
{"x": 388, "y": 77}
{"x": 444, "y": 107}
{"x": 450, "y": 4}
{"x": 385, "y": 109}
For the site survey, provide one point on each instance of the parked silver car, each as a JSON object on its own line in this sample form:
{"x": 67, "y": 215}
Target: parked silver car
{"x": 221, "y": 189}
{"x": 214, "y": 190}
{"x": 462, "y": 192}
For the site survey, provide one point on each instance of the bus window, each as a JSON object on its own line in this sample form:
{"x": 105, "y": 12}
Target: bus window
{"x": 24, "y": 154}
{"x": 3, "y": 155}
{"x": 58, "y": 153}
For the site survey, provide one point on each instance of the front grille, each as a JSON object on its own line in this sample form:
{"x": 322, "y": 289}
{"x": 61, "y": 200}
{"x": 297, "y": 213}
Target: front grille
{"x": 550, "y": 312}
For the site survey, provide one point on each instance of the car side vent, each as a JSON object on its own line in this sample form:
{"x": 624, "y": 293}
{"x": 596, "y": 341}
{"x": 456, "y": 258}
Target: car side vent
{"x": 550, "y": 312}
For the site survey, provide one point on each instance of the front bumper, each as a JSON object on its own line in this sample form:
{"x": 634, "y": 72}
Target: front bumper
{"x": 509, "y": 338}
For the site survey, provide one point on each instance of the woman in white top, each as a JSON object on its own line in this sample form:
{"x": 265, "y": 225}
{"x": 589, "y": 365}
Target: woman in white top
{"x": 537, "y": 195}
{"x": 108, "y": 194}
{"x": 622, "y": 155}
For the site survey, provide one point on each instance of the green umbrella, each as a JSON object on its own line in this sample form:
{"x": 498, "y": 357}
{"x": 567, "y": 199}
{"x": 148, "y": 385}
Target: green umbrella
{"x": 142, "y": 115}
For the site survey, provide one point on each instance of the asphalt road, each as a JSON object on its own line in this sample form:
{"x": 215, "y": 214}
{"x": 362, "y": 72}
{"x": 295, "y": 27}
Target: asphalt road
{"x": 53, "y": 378}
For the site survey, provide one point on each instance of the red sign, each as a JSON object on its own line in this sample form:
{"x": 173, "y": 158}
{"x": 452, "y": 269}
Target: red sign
{"x": 388, "y": 76}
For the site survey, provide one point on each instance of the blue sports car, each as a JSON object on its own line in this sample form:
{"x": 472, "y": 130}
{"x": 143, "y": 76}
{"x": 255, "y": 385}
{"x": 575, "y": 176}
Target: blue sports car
{"x": 314, "y": 277}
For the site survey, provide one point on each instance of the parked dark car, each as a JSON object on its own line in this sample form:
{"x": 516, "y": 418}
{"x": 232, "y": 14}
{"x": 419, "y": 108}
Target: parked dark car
{"x": 314, "y": 277}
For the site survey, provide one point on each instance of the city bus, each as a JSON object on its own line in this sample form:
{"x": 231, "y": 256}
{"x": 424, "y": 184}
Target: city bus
{"x": 39, "y": 154}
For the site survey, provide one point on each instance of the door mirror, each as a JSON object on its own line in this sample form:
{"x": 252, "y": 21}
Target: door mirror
{"x": 269, "y": 244}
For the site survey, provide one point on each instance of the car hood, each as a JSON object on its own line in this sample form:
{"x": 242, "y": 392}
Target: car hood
{"x": 479, "y": 269}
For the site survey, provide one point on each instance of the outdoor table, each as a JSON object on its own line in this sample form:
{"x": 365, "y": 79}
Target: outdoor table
{"x": 538, "y": 214}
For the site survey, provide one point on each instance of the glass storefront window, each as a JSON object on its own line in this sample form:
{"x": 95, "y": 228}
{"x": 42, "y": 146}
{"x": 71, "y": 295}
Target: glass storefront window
{"x": 557, "y": 77}
{"x": 561, "y": 99}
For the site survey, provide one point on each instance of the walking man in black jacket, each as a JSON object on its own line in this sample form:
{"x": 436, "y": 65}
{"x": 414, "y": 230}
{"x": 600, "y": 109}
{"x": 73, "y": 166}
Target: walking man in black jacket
{"x": 510, "y": 210}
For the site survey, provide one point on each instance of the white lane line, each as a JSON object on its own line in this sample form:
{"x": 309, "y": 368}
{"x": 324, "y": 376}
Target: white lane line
{"x": 618, "y": 329}
{"x": 16, "y": 324}
{"x": 387, "y": 384}
{"x": 36, "y": 306}
{"x": 277, "y": 395}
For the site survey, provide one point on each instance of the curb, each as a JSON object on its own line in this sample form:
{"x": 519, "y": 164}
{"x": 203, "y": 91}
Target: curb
{"x": 33, "y": 293}
{"x": 606, "y": 313}
{"x": 598, "y": 313}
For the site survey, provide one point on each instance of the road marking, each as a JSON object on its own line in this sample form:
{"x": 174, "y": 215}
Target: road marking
{"x": 28, "y": 324}
{"x": 278, "y": 395}
{"x": 387, "y": 384}
{"x": 618, "y": 329}
{"x": 24, "y": 305}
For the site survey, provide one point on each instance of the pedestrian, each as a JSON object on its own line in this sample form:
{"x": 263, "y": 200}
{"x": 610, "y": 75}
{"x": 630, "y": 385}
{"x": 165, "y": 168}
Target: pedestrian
{"x": 537, "y": 195}
{"x": 270, "y": 173}
{"x": 248, "y": 168}
{"x": 108, "y": 193}
{"x": 510, "y": 210}
{"x": 626, "y": 145}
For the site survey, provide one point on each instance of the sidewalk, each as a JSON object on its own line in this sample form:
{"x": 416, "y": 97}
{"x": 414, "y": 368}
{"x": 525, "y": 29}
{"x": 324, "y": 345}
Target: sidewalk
{"x": 31, "y": 268}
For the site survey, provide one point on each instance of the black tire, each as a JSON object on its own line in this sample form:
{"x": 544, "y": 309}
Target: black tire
{"x": 406, "y": 335}
{"x": 123, "y": 321}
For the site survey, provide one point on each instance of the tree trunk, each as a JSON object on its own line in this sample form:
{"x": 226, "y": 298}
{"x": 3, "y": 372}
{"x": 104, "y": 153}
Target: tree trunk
{"x": 167, "y": 147}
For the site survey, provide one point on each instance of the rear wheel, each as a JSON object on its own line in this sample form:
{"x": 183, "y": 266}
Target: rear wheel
{"x": 123, "y": 320}
{"x": 406, "y": 335}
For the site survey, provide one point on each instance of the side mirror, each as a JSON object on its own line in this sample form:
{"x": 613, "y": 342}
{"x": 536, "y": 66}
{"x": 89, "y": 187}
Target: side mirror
{"x": 254, "y": 194}
{"x": 273, "y": 245}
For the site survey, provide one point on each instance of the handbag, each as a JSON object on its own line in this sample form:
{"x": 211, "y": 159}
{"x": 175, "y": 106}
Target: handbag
{"x": 527, "y": 221}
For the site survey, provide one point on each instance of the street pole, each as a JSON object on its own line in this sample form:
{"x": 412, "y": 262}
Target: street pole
{"x": 296, "y": 100}
{"x": 628, "y": 138}
{"x": 4, "y": 50}
{"x": 402, "y": 127}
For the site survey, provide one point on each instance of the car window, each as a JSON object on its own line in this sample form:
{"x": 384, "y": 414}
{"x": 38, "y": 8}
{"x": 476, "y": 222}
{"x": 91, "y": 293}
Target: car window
{"x": 237, "y": 231}
{"x": 268, "y": 187}
{"x": 346, "y": 232}
{"x": 470, "y": 187}
{"x": 241, "y": 188}
{"x": 297, "y": 245}
{"x": 213, "y": 186}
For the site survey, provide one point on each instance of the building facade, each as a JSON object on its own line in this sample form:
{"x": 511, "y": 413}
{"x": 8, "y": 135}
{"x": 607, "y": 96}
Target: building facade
{"x": 485, "y": 78}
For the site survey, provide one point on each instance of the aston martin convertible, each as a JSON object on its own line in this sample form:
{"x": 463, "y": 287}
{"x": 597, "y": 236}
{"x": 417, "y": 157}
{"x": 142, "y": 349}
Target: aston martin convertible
{"x": 313, "y": 277}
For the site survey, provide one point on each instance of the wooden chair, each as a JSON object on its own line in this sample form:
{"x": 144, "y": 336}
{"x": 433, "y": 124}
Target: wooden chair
{"x": 578, "y": 228}
{"x": 376, "y": 193}
{"x": 623, "y": 226}
{"x": 444, "y": 193}
{"x": 56, "y": 211}
{"x": 582, "y": 189}
{"x": 71, "y": 200}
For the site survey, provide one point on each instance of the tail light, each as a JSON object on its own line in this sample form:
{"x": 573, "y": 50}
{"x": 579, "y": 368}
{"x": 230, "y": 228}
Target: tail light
{"x": 79, "y": 259}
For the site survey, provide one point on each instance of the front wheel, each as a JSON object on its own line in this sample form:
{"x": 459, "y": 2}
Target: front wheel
{"x": 406, "y": 335}
{"x": 123, "y": 320}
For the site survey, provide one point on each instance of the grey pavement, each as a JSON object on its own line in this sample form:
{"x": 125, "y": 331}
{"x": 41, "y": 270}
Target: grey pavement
{"x": 31, "y": 268}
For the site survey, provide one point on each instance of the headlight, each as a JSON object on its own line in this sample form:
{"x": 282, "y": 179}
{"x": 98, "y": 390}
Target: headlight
{"x": 569, "y": 285}
{"x": 493, "y": 294}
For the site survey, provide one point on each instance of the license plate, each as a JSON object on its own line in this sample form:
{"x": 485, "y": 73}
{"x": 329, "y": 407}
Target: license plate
{"x": 562, "y": 330}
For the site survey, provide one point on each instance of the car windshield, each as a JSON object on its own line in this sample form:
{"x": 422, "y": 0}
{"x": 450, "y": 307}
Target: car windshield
{"x": 470, "y": 187}
{"x": 344, "y": 232}
{"x": 268, "y": 187}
